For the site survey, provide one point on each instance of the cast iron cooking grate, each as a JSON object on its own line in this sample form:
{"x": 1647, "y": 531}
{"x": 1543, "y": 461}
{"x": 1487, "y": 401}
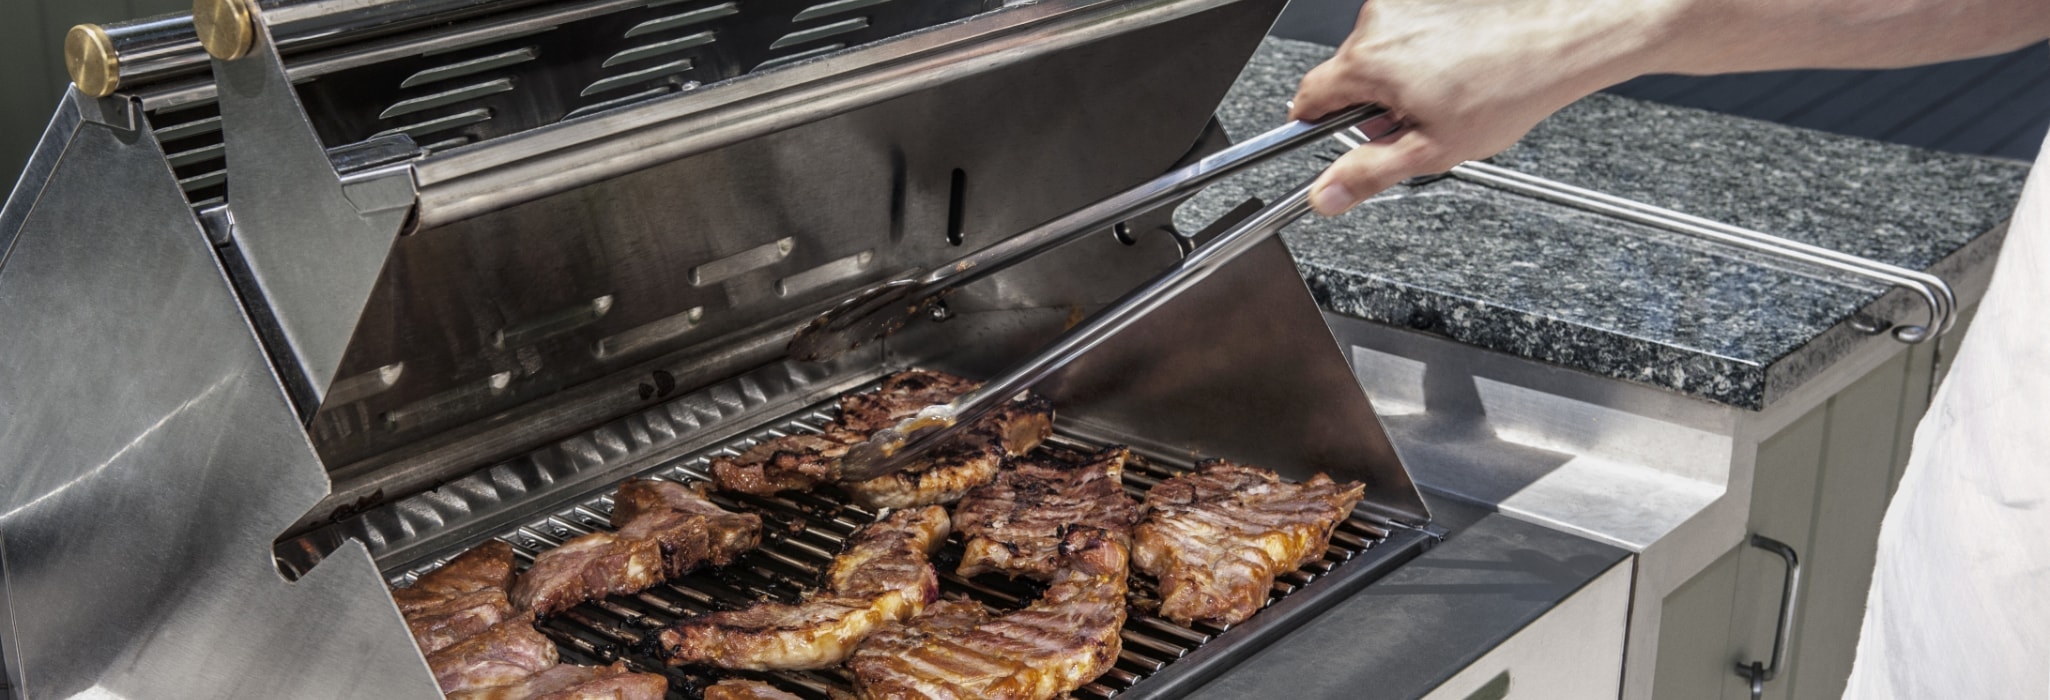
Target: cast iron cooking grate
{"x": 803, "y": 531}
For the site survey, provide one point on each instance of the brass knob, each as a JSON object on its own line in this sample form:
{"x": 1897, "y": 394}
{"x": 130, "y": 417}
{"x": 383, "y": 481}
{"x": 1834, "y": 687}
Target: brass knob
{"x": 90, "y": 59}
{"x": 227, "y": 28}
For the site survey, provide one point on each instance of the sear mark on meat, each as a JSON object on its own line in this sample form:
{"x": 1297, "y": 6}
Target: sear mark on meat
{"x": 788, "y": 463}
{"x": 504, "y": 654}
{"x": 462, "y": 598}
{"x": 485, "y": 566}
{"x": 745, "y": 689}
{"x": 588, "y": 567}
{"x": 665, "y": 530}
{"x": 898, "y": 397}
{"x": 1216, "y": 537}
{"x": 573, "y": 682}
{"x": 453, "y": 619}
{"x": 883, "y": 575}
{"x": 950, "y": 471}
{"x": 1060, "y": 642}
{"x": 799, "y": 462}
{"x": 1014, "y": 525}
{"x": 691, "y": 530}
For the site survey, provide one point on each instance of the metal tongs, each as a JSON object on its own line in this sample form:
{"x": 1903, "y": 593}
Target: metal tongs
{"x": 882, "y": 309}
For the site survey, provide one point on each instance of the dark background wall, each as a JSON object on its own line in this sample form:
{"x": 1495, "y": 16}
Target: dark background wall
{"x": 32, "y": 62}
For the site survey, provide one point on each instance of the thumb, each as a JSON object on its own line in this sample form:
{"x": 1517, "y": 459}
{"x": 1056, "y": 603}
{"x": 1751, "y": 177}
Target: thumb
{"x": 1366, "y": 171}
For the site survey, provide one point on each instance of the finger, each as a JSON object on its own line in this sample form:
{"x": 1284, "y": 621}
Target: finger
{"x": 1324, "y": 90}
{"x": 1369, "y": 169}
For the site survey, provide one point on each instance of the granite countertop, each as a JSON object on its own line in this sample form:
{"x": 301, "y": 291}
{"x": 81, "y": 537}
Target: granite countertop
{"x": 1558, "y": 285}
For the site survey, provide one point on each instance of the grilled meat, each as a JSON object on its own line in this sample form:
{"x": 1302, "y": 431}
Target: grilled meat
{"x": 798, "y": 462}
{"x": 1216, "y": 537}
{"x": 884, "y": 575}
{"x": 504, "y": 654}
{"x": 587, "y": 567}
{"x": 691, "y": 530}
{"x": 788, "y": 463}
{"x": 666, "y": 529}
{"x": 574, "y": 682}
{"x": 898, "y": 397}
{"x": 1015, "y": 524}
{"x": 456, "y": 618}
{"x": 462, "y": 598}
{"x": 485, "y": 566}
{"x": 950, "y": 471}
{"x": 741, "y": 689}
{"x": 1062, "y": 641}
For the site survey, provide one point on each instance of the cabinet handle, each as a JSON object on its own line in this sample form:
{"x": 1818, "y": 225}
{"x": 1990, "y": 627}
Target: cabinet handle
{"x": 1757, "y": 671}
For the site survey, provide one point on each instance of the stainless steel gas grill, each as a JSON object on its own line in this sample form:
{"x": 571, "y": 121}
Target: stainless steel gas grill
{"x": 363, "y": 284}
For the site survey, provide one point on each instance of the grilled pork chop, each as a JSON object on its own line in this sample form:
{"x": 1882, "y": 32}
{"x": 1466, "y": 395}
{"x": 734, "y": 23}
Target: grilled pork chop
{"x": 798, "y": 462}
{"x": 1059, "y": 643}
{"x": 1015, "y": 524}
{"x": 666, "y": 529}
{"x": 588, "y": 567}
{"x": 574, "y": 682}
{"x": 1216, "y": 537}
{"x": 509, "y": 651}
{"x": 456, "y": 618}
{"x": 744, "y": 689}
{"x": 950, "y": 471}
{"x": 898, "y": 397}
{"x": 788, "y": 463}
{"x": 485, "y": 566}
{"x": 462, "y": 598}
{"x": 691, "y": 530}
{"x": 884, "y": 575}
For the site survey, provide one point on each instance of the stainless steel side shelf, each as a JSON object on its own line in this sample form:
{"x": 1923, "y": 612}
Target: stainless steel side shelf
{"x": 1933, "y": 290}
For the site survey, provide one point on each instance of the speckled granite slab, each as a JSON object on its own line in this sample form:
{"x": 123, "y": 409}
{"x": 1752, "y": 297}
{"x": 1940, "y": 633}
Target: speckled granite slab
{"x": 1563, "y": 286}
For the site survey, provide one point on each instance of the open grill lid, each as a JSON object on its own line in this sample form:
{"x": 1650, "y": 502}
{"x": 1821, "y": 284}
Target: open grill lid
{"x": 239, "y": 312}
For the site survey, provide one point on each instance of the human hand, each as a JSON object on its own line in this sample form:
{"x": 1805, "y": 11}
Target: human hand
{"x": 1468, "y": 78}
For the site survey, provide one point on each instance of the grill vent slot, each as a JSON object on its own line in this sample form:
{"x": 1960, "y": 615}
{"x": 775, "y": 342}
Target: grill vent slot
{"x": 471, "y": 66}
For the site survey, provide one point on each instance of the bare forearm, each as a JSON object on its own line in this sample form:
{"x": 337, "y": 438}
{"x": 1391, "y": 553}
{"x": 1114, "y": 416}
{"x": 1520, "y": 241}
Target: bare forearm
{"x": 1471, "y": 77}
{"x": 1724, "y": 36}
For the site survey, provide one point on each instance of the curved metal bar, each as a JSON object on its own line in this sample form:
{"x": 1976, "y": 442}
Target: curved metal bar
{"x": 1790, "y": 588}
{"x": 1935, "y": 292}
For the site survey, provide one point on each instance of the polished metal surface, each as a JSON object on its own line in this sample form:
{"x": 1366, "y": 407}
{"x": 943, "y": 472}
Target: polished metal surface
{"x": 273, "y": 335}
{"x": 1761, "y": 672}
{"x": 312, "y": 241}
{"x": 1238, "y": 367}
{"x": 539, "y": 162}
{"x": 893, "y": 448}
{"x": 152, "y": 457}
{"x": 854, "y": 199}
{"x": 1465, "y": 603}
{"x": 803, "y": 531}
{"x": 90, "y": 60}
{"x": 873, "y": 313}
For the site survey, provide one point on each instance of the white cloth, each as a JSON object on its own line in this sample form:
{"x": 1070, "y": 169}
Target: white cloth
{"x": 1960, "y": 600}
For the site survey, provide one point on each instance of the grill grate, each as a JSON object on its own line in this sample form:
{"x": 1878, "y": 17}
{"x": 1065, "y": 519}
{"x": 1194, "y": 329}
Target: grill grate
{"x": 801, "y": 534}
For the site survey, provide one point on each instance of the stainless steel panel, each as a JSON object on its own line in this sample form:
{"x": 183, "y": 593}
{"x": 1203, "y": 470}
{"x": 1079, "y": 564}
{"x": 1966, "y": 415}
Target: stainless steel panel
{"x": 540, "y": 162}
{"x": 151, "y": 458}
{"x": 312, "y": 241}
{"x": 858, "y": 197}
